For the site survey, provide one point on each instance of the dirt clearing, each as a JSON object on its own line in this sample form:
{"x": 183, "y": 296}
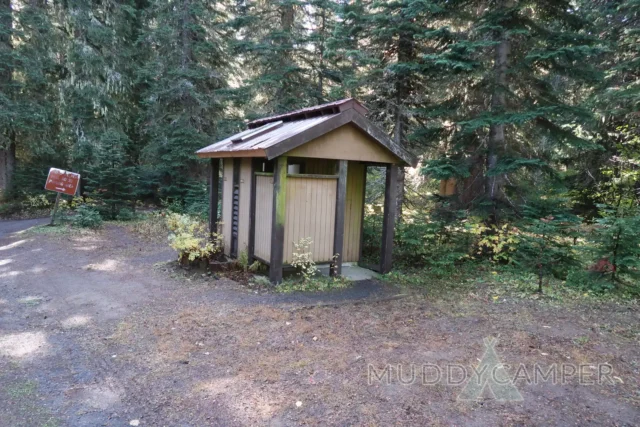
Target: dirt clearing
{"x": 94, "y": 330}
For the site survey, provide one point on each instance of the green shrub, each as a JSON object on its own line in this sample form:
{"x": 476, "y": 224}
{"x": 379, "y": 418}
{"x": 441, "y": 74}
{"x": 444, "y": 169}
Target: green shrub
{"x": 191, "y": 238}
{"x": 86, "y": 217}
{"x": 36, "y": 202}
{"x": 126, "y": 214}
{"x": 615, "y": 238}
{"x": 589, "y": 281}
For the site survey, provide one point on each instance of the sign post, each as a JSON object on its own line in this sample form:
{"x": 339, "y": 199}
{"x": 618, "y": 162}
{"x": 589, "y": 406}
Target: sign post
{"x": 62, "y": 182}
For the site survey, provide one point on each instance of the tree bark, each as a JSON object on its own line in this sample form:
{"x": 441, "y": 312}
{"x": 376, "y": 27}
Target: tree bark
{"x": 472, "y": 188}
{"x": 7, "y": 135}
{"x": 186, "y": 35}
{"x": 494, "y": 189}
{"x": 406, "y": 53}
{"x": 323, "y": 20}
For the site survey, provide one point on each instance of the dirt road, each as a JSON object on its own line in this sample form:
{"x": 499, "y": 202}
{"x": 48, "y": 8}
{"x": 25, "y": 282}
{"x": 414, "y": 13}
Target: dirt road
{"x": 95, "y": 331}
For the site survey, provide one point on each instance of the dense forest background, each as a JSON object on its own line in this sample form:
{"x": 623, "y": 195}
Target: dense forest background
{"x": 527, "y": 113}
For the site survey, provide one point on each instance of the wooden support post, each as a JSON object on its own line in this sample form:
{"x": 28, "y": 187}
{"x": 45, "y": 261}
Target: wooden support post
{"x": 364, "y": 200}
{"x": 214, "y": 182}
{"x": 338, "y": 232}
{"x": 252, "y": 213}
{"x": 277, "y": 220}
{"x": 388, "y": 220}
{"x": 55, "y": 209}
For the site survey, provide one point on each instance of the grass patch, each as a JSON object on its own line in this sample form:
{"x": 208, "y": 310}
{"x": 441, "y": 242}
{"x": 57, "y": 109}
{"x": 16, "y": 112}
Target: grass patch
{"x": 31, "y": 300}
{"x": 152, "y": 225}
{"x": 57, "y": 230}
{"x": 316, "y": 284}
{"x": 21, "y": 389}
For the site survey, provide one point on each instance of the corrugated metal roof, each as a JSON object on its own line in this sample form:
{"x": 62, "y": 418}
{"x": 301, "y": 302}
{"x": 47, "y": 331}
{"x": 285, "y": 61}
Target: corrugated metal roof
{"x": 265, "y": 140}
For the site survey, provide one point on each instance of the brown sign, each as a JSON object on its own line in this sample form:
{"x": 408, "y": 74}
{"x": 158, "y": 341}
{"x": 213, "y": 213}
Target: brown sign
{"x": 62, "y": 181}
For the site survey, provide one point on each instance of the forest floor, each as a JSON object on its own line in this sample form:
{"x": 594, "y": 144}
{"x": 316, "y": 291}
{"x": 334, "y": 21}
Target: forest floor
{"x": 100, "y": 329}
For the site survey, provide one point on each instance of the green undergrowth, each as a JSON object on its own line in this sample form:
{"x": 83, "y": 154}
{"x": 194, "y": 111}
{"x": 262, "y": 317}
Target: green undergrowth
{"x": 315, "y": 284}
{"x": 498, "y": 284}
{"x": 57, "y": 230}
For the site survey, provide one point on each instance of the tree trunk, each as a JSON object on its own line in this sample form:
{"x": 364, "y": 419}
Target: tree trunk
{"x": 186, "y": 36}
{"x": 540, "y": 275}
{"x": 494, "y": 189}
{"x": 7, "y": 135}
{"x": 7, "y": 166}
{"x": 406, "y": 53}
{"x": 323, "y": 19}
{"x": 472, "y": 188}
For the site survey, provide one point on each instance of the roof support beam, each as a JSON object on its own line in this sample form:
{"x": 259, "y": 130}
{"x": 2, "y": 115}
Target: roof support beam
{"x": 338, "y": 232}
{"x": 252, "y": 213}
{"x": 388, "y": 220}
{"x": 277, "y": 220}
{"x": 214, "y": 196}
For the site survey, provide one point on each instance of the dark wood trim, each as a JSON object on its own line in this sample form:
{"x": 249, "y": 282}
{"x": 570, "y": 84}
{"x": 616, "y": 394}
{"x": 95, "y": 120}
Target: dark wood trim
{"x": 264, "y": 173}
{"x": 355, "y": 105}
{"x": 364, "y": 199}
{"x": 258, "y": 152}
{"x": 309, "y": 134}
{"x": 388, "y": 220}
{"x": 277, "y": 220}
{"x": 338, "y": 231}
{"x": 312, "y": 176}
{"x": 252, "y": 214}
{"x": 379, "y": 135}
{"x": 235, "y": 216}
{"x": 214, "y": 196}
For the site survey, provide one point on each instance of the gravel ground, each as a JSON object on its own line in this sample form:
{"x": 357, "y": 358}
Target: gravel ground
{"x": 96, "y": 328}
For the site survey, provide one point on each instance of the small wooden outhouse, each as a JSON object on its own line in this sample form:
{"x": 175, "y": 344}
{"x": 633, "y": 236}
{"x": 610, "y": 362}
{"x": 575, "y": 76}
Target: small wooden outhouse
{"x": 302, "y": 175}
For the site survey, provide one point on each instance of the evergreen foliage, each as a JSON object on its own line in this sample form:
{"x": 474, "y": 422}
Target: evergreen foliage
{"x": 110, "y": 180}
{"x": 531, "y": 108}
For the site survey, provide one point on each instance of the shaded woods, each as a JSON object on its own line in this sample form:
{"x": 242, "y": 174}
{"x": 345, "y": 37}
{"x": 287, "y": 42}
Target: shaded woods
{"x": 527, "y": 111}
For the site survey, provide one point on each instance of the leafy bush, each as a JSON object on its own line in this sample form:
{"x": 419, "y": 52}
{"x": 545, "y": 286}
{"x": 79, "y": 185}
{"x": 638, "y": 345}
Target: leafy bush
{"x": 86, "y": 217}
{"x": 191, "y": 238}
{"x": 497, "y": 242}
{"x": 36, "y": 202}
{"x": 303, "y": 259}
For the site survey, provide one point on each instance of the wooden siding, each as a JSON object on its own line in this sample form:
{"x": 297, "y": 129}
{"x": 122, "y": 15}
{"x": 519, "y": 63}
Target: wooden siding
{"x": 345, "y": 143}
{"x": 264, "y": 207}
{"x": 310, "y": 212}
{"x": 227, "y": 192}
{"x": 353, "y": 212}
